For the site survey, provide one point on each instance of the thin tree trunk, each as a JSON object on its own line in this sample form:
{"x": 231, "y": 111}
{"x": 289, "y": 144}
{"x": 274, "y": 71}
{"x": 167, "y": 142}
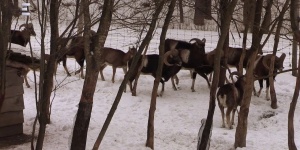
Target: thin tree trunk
{"x": 44, "y": 102}
{"x": 150, "y": 131}
{"x": 294, "y": 56}
{"x": 212, "y": 103}
{"x": 294, "y": 24}
{"x": 249, "y": 14}
{"x": 291, "y": 131}
{"x": 271, "y": 82}
{"x": 85, "y": 105}
{"x": 295, "y": 42}
{"x": 136, "y": 79}
{"x": 92, "y": 70}
{"x": 80, "y": 23}
{"x": 276, "y": 41}
{"x": 181, "y": 11}
{"x": 241, "y": 129}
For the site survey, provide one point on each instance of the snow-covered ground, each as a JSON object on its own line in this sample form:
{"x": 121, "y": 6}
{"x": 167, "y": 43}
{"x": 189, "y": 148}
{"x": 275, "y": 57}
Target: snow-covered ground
{"x": 178, "y": 113}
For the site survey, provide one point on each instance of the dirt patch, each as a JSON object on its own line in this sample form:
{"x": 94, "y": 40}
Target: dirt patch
{"x": 267, "y": 114}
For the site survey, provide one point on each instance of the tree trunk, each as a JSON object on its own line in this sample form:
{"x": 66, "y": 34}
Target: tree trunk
{"x": 241, "y": 130}
{"x": 212, "y": 103}
{"x": 222, "y": 11}
{"x": 44, "y": 102}
{"x": 294, "y": 56}
{"x": 294, "y": 24}
{"x": 276, "y": 41}
{"x": 150, "y": 131}
{"x": 5, "y": 23}
{"x": 181, "y": 11}
{"x": 248, "y": 15}
{"x": 291, "y": 137}
{"x": 271, "y": 81}
{"x": 136, "y": 79}
{"x": 80, "y": 23}
{"x": 92, "y": 70}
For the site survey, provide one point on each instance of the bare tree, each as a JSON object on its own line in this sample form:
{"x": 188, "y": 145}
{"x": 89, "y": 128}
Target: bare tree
{"x": 150, "y": 131}
{"x": 212, "y": 103}
{"x": 46, "y": 90}
{"x": 275, "y": 47}
{"x": 294, "y": 22}
{"x": 241, "y": 130}
{"x": 93, "y": 55}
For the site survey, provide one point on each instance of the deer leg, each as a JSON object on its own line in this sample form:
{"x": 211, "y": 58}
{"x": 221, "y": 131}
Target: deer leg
{"x": 267, "y": 90}
{"x": 222, "y": 113}
{"x": 114, "y": 73}
{"x": 26, "y": 81}
{"x": 254, "y": 91}
{"x": 177, "y": 79}
{"x": 101, "y": 71}
{"x": 193, "y": 83}
{"x": 175, "y": 85}
{"x": 260, "y": 87}
{"x": 81, "y": 62}
{"x": 125, "y": 71}
{"x": 229, "y": 109}
{"x": 205, "y": 77}
{"x": 133, "y": 93}
{"x": 65, "y": 66}
{"x": 232, "y": 118}
{"x": 162, "y": 87}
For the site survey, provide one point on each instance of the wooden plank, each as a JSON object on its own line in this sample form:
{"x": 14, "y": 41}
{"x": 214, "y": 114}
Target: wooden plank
{"x": 11, "y": 130}
{"x": 11, "y": 118}
{"x": 13, "y": 104}
{"x": 12, "y": 77}
{"x": 14, "y": 91}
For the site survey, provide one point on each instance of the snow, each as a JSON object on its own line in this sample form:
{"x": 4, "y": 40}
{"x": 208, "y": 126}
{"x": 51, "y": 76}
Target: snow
{"x": 178, "y": 113}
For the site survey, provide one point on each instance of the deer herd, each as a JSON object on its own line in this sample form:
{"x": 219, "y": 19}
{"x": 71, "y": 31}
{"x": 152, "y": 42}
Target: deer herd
{"x": 178, "y": 55}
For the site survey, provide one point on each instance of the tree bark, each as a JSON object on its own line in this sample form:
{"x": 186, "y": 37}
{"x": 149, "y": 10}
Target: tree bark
{"x": 212, "y": 103}
{"x": 150, "y": 131}
{"x": 294, "y": 55}
{"x": 294, "y": 24}
{"x": 223, "y": 10}
{"x": 181, "y": 11}
{"x": 249, "y": 14}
